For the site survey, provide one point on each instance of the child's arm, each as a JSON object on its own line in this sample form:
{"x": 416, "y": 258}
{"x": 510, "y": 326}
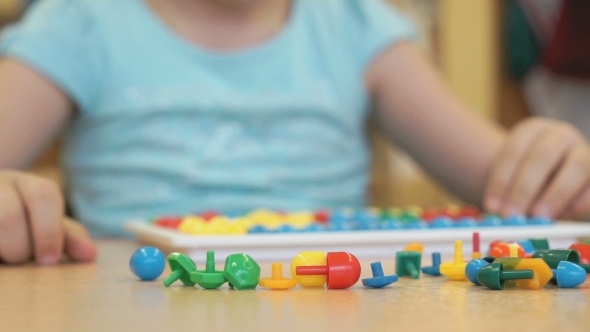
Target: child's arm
{"x": 541, "y": 167}
{"x": 32, "y": 111}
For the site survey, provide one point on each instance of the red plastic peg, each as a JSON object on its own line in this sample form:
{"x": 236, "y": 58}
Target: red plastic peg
{"x": 476, "y": 253}
{"x": 342, "y": 270}
{"x": 584, "y": 251}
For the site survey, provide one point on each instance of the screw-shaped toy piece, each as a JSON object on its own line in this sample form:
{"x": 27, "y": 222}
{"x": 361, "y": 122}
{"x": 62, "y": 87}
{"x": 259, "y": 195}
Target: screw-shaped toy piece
{"x": 181, "y": 267}
{"x": 276, "y": 280}
{"x": 472, "y": 269}
{"x": 433, "y": 270}
{"x": 241, "y": 271}
{"x": 456, "y": 269}
{"x": 209, "y": 278}
{"x": 379, "y": 280}
{"x": 553, "y": 257}
{"x": 407, "y": 263}
{"x": 342, "y": 270}
{"x": 493, "y": 276}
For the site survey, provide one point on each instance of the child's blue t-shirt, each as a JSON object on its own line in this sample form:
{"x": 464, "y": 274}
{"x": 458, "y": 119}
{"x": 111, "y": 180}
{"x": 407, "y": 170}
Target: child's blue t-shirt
{"x": 168, "y": 127}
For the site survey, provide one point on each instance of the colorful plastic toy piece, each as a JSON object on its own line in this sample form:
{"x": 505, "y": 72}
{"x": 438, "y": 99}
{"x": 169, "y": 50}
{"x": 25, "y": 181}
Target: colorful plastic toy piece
{"x": 584, "y": 251}
{"x": 515, "y": 220}
{"x": 491, "y": 220}
{"x": 342, "y": 270}
{"x": 415, "y": 224}
{"x": 241, "y": 271}
{"x": 391, "y": 223}
{"x": 502, "y": 249}
{"x": 209, "y": 278}
{"x": 541, "y": 273}
{"x": 569, "y": 275}
{"x": 466, "y": 222}
{"x": 322, "y": 216}
{"x": 493, "y": 276}
{"x": 527, "y": 246}
{"x": 419, "y": 247}
{"x": 540, "y": 244}
{"x": 472, "y": 269}
{"x": 441, "y": 222}
{"x": 456, "y": 269}
{"x": 540, "y": 221}
{"x": 553, "y": 257}
{"x": 181, "y": 267}
{"x": 379, "y": 280}
{"x": 476, "y": 254}
{"x": 309, "y": 258}
{"x": 407, "y": 263}
{"x": 433, "y": 270}
{"x": 147, "y": 263}
{"x": 276, "y": 280}
{"x": 168, "y": 222}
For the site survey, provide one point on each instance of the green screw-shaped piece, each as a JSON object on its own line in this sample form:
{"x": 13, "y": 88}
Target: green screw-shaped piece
{"x": 181, "y": 267}
{"x": 553, "y": 257}
{"x": 508, "y": 264}
{"x": 540, "y": 244}
{"x": 493, "y": 276}
{"x": 241, "y": 271}
{"x": 209, "y": 278}
{"x": 407, "y": 263}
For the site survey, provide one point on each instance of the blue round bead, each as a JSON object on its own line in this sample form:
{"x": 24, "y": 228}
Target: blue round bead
{"x": 415, "y": 224}
{"x": 441, "y": 222}
{"x": 391, "y": 224}
{"x": 466, "y": 222}
{"x": 314, "y": 227}
{"x": 286, "y": 228}
{"x": 147, "y": 263}
{"x": 540, "y": 221}
{"x": 491, "y": 221}
{"x": 527, "y": 246}
{"x": 473, "y": 268}
{"x": 259, "y": 229}
{"x": 515, "y": 220}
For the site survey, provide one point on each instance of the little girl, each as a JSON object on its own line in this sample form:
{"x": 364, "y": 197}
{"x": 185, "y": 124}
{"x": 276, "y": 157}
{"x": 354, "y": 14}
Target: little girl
{"x": 173, "y": 107}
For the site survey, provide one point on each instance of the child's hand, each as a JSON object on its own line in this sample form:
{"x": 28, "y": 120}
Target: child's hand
{"x": 32, "y": 222}
{"x": 544, "y": 169}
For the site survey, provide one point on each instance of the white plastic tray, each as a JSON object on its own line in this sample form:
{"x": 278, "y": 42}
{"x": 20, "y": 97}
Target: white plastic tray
{"x": 381, "y": 244}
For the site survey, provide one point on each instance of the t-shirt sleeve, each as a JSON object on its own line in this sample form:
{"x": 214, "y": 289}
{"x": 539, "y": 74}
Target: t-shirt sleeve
{"x": 377, "y": 25}
{"x": 58, "y": 39}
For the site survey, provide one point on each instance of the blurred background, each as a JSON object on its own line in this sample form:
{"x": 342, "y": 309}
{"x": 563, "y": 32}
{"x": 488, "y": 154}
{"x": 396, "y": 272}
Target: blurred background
{"x": 483, "y": 48}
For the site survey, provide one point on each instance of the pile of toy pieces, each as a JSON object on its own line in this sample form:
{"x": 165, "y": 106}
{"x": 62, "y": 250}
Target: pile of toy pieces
{"x": 413, "y": 217}
{"x": 529, "y": 264}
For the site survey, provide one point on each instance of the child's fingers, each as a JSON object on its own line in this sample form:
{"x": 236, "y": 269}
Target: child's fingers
{"x": 545, "y": 156}
{"x": 567, "y": 189}
{"x": 14, "y": 233}
{"x": 78, "y": 245}
{"x": 44, "y": 205}
{"x": 506, "y": 167}
{"x": 580, "y": 206}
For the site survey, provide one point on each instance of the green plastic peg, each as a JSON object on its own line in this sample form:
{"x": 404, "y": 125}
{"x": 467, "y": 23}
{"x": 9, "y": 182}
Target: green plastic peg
{"x": 209, "y": 278}
{"x": 508, "y": 264}
{"x": 493, "y": 276}
{"x": 241, "y": 271}
{"x": 407, "y": 263}
{"x": 540, "y": 244}
{"x": 181, "y": 267}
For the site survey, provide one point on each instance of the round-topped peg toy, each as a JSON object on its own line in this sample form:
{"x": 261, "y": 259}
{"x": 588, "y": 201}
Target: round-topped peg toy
{"x": 584, "y": 251}
{"x": 472, "y": 269}
{"x": 491, "y": 220}
{"x": 493, "y": 276}
{"x": 241, "y": 271}
{"x": 209, "y": 278}
{"x": 147, "y": 263}
{"x": 181, "y": 267}
{"x": 476, "y": 254}
{"x": 342, "y": 270}
{"x": 515, "y": 220}
{"x": 554, "y": 256}
{"x": 441, "y": 222}
{"x": 569, "y": 275}
{"x": 433, "y": 270}
{"x": 510, "y": 262}
{"x": 407, "y": 263}
{"x": 309, "y": 258}
{"x": 379, "y": 280}
{"x": 456, "y": 269}
{"x": 276, "y": 280}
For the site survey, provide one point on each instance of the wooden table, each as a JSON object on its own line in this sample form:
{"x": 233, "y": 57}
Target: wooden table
{"x": 105, "y": 296}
